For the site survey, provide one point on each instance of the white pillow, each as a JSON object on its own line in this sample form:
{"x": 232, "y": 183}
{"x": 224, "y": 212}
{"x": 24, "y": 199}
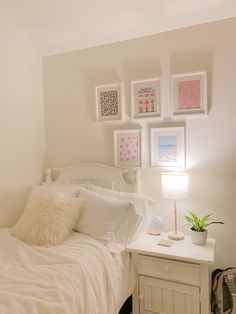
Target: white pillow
{"x": 143, "y": 205}
{"x": 49, "y": 219}
{"x": 129, "y": 228}
{"x": 105, "y": 219}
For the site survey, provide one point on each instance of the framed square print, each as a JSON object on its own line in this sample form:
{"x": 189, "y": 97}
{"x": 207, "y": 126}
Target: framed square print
{"x": 168, "y": 147}
{"x": 108, "y": 102}
{"x": 189, "y": 94}
{"x": 128, "y": 148}
{"x": 146, "y": 98}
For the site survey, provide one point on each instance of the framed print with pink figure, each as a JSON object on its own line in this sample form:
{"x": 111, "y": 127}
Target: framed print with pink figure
{"x": 167, "y": 147}
{"x": 189, "y": 94}
{"x": 146, "y": 98}
{"x": 109, "y": 102}
{"x": 128, "y": 148}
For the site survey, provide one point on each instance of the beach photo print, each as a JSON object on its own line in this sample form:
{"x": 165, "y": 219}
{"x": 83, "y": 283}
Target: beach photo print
{"x": 167, "y": 147}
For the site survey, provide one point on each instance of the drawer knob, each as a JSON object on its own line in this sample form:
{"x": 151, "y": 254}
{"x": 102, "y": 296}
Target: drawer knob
{"x": 166, "y": 269}
{"x": 140, "y": 297}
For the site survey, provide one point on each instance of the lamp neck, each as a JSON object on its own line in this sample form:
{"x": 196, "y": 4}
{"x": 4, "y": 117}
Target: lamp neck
{"x": 175, "y": 216}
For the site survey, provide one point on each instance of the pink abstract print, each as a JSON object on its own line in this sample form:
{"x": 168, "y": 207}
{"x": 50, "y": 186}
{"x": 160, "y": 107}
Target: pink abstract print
{"x": 189, "y": 95}
{"x": 146, "y": 100}
{"x": 128, "y": 148}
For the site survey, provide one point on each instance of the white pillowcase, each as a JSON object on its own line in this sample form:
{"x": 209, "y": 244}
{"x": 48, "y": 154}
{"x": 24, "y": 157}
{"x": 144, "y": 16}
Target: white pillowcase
{"x": 143, "y": 205}
{"x": 48, "y": 219}
{"x": 105, "y": 219}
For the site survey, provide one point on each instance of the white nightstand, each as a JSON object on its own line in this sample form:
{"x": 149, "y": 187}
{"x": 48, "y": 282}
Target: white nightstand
{"x": 173, "y": 279}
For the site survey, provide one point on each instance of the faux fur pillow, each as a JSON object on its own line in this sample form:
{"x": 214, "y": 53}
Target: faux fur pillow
{"x": 48, "y": 220}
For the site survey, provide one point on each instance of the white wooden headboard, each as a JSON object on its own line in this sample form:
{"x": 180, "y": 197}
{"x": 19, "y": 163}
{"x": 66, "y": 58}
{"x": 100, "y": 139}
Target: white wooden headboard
{"x": 127, "y": 180}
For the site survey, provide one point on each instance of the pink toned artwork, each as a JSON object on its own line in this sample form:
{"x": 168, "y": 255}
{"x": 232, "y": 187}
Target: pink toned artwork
{"x": 147, "y": 100}
{"x": 128, "y": 148}
{"x": 189, "y": 95}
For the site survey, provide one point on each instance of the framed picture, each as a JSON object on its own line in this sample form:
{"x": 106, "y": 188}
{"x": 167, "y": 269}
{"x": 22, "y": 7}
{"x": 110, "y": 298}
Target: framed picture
{"x": 108, "y": 102}
{"x": 168, "y": 147}
{"x": 189, "y": 94}
{"x": 146, "y": 98}
{"x": 128, "y": 148}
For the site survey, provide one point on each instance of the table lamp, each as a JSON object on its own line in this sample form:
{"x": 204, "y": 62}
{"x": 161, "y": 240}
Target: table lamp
{"x": 175, "y": 187}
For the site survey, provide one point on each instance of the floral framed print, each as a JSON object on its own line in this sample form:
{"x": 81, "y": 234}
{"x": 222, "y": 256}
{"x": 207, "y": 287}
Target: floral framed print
{"x": 146, "y": 98}
{"x": 128, "y": 148}
{"x": 189, "y": 94}
{"x": 168, "y": 147}
{"x": 109, "y": 102}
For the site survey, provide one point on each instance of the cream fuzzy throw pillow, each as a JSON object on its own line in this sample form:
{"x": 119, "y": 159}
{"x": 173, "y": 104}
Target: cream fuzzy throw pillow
{"x": 48, "y": 220}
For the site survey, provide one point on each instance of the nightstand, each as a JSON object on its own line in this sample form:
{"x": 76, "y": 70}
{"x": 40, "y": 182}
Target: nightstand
{"x": 173, "y": 279}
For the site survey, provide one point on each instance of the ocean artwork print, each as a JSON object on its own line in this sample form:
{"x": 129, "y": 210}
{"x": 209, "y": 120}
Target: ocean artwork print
{"x": 167, "y": 148}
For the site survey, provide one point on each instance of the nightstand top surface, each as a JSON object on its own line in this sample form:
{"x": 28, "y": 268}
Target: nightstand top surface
{"x": 181, "y": 250}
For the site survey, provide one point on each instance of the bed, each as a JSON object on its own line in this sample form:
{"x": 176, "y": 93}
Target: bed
{"x": 82, "y": 274}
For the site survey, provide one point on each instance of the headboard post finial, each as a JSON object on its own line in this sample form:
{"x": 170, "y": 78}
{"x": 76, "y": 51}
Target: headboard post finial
{"x": 48, "y": 178}
{"x": 138, "y": 183}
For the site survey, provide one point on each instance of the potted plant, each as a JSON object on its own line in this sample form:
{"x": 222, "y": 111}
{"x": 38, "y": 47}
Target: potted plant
{"x": 199, "y": 226}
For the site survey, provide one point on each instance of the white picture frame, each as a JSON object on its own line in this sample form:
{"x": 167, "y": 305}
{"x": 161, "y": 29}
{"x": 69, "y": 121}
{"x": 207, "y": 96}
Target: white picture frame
{"x": 146, "y": 98}
{"x": 189, "y": 94}
{"x": 168, "y": 147}
{"x": 128, "y": 150}
{"x": 109, "y": 102}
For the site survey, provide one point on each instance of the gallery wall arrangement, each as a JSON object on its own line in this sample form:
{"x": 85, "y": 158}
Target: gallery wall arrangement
{"x": 167, "y": 145}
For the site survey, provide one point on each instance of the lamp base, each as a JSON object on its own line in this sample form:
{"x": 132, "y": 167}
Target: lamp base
{"x": 176, "y": 235}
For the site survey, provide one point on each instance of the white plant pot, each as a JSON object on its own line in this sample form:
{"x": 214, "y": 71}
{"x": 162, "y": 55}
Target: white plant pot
{"x": 198, "y": 237}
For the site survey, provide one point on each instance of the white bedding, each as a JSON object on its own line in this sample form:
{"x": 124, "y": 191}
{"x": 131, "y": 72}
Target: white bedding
{"x": 78, "y": 277}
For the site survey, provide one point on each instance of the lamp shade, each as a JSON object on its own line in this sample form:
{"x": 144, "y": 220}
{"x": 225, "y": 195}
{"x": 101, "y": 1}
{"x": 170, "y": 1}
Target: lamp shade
{"x": 174, "y": 186}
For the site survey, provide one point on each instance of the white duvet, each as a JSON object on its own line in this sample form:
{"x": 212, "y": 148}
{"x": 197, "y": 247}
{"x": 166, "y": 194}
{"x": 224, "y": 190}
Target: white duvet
{"x": 78, "y": 277}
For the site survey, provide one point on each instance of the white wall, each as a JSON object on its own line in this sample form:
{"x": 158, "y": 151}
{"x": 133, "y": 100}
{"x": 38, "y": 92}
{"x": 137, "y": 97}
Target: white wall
{"x": 72, "y": 135}
{"x": 21, "y": 119}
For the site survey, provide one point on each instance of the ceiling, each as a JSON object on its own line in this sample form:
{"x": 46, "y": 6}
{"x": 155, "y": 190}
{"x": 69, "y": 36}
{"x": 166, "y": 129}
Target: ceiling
{"x": 58, "y": 26}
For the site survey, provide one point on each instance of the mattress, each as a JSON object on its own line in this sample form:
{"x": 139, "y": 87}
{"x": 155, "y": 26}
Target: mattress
{"x": 79, "y": 276}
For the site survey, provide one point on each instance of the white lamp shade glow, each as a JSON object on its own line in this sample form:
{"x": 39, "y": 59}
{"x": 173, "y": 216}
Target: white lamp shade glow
{"x": 174, "y": 186}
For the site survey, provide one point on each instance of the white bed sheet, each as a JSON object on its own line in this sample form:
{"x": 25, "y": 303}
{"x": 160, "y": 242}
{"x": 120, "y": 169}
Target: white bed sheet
{"x": 78, "y": 277}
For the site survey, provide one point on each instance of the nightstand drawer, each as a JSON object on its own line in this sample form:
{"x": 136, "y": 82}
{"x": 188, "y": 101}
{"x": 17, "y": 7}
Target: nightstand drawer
{"x": 169, "y": 270}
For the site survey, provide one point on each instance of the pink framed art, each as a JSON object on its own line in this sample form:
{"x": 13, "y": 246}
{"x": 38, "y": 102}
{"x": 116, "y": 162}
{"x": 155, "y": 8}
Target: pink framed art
{"x": 146, "y": 98}
{"x": 128, "y": 148}
{"x": 189, "y": 94}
